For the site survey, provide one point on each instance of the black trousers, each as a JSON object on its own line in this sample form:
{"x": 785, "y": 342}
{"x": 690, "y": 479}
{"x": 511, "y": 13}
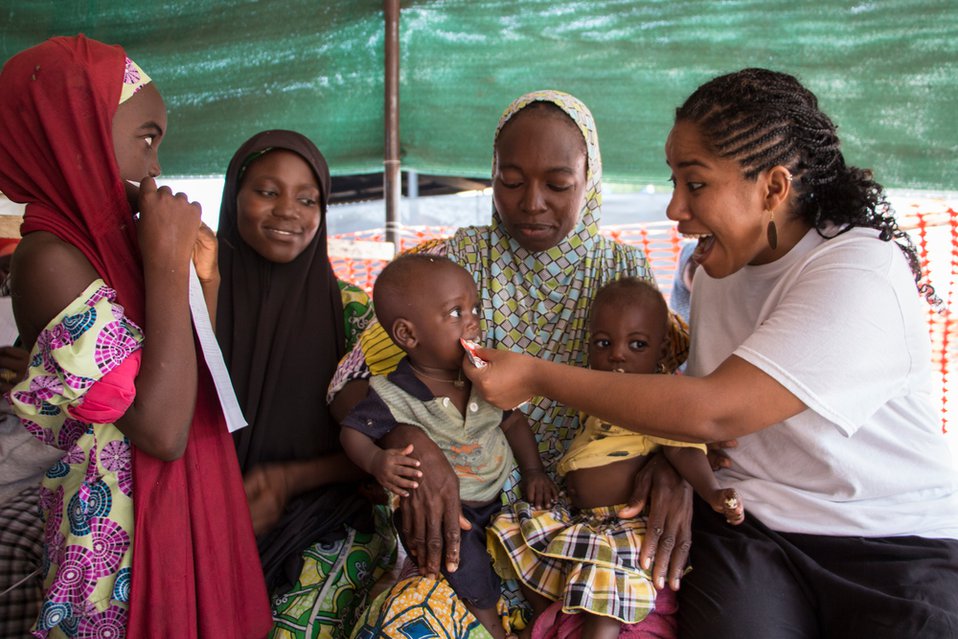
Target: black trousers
{"x": 750, "y": 582}
{"x": 475, "y": 581}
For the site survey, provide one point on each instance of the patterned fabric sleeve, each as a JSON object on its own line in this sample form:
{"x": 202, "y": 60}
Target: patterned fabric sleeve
{"x": 357, "y": 311}
{"x": 88, "y": 340}
{"x": 374, "y": 352}
{"x": 83, "y": 365}
{"x": 371, "y": 417}
{"x": 108, "y": 399}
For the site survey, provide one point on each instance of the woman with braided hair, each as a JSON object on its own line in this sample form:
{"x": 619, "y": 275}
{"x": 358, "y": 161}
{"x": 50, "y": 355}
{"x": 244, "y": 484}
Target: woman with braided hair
{"x": 809, "y": 348}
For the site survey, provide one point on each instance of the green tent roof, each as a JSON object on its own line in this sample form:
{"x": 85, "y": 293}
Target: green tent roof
{"x": 886, "y": 71}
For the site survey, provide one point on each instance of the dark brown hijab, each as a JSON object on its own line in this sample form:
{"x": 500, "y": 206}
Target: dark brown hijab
{"x": 281, "y": 329}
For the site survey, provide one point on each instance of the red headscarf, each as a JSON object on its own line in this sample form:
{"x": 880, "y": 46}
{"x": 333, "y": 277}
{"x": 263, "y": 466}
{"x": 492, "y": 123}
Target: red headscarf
{"x": 196, "y": 571}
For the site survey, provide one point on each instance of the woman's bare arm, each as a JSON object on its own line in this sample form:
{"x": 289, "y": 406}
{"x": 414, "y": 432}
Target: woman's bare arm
{"x": 270, "y": 487}
{"x": 162, "y": 412}
{"x": 47, "y": 275}
{"x": 735, "y": 400}
{"x": 50, "y": 274}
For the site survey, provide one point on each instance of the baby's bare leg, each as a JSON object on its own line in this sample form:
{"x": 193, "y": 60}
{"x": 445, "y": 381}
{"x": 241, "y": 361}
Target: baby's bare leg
{"x": 538, "y": 602}
{"x": 599, "y": 627}
{"x": 490, "y": 620}
{"x": 693, "y": 465}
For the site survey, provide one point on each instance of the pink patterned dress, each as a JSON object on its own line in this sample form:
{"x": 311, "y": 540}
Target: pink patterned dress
{"x": 80, "y": 380}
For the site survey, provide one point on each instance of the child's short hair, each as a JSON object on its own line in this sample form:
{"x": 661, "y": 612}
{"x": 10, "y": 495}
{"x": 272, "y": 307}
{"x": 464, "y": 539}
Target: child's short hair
{"x": 631, "y": 290}
{"x": 397, "y": 285}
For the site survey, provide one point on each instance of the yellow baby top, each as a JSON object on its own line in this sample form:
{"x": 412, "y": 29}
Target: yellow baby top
{"x": 599, "y": 443}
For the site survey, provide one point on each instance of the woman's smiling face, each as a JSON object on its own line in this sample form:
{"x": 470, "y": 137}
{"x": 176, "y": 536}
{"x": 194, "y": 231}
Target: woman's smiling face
{"x": 714, "y": 203}
{"x": 278, "y": 206}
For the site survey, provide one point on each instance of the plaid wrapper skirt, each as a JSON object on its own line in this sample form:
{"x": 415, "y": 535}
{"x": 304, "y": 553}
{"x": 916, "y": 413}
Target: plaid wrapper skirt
{"x": 588, "y": 559}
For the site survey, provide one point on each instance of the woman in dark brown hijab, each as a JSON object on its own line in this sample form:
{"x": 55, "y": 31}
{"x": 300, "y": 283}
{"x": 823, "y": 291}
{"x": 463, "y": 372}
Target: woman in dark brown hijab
{"x": 284, "y": 321}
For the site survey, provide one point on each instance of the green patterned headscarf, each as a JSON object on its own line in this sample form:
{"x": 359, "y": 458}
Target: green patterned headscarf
{"x": 538, "y": 302}
{"x": 587, "y": 226}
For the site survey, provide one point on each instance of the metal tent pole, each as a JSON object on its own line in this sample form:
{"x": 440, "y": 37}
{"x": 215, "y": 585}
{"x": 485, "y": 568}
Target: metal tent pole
{"x": 412, "y": 195}
{"x": 392, "y": 182}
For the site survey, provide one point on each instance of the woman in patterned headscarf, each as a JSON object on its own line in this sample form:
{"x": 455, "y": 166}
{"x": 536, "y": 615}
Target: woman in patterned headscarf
{"x": 147, "y": 532}
{"x": 537, "y": 266}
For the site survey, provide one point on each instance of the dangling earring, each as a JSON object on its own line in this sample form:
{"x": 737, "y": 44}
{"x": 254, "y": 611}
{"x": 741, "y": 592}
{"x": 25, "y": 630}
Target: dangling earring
{"x": 771, "y": 232}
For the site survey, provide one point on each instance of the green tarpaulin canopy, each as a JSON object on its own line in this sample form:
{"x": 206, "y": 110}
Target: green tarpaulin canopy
{"x": 886, "y": 71}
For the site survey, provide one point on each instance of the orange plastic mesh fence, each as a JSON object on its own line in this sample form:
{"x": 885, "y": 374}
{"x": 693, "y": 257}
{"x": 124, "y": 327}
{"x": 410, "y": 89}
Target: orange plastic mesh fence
{"x": 935, "y": 234}
{"x": 659, "y": 240}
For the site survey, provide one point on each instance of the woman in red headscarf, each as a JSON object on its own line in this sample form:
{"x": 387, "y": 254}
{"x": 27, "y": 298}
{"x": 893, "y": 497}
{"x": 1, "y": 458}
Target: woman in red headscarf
{"x": 147, "y": 531}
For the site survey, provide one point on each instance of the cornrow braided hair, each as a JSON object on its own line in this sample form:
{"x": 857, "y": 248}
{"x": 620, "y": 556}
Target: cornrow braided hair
{"x": 763, "y": 119}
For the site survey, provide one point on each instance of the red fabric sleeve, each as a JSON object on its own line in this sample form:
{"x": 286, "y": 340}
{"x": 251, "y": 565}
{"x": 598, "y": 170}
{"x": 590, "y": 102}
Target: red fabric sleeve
{"x": 110, "y": 397}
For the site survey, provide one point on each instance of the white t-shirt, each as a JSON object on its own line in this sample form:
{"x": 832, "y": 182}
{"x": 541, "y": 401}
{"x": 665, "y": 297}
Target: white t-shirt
{"x": 839, "y": 323}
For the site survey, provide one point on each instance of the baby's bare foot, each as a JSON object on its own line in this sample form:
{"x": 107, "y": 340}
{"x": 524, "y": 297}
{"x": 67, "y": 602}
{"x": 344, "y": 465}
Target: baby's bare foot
{"x": 731, "y": 506}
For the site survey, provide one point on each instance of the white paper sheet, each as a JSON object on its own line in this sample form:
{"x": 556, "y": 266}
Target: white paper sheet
{"x": 213, "y": 355}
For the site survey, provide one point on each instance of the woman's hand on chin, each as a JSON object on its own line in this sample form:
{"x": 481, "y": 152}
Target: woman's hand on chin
{"x": 504, "y": 380}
